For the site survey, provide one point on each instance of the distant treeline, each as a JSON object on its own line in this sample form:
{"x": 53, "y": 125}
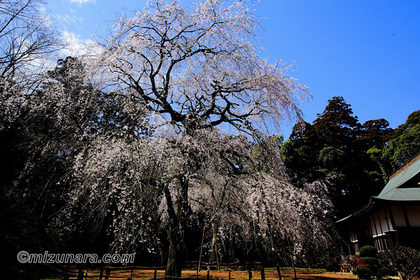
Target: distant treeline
{"x": 354, "y": 159}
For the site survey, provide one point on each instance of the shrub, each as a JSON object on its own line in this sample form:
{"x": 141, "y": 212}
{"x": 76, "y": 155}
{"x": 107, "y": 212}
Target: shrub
{"x": 386, "y": 271}
{"x": 329, "y": 262}
{"x": 372, "y": 263}
{"x": 404, "y": 260}
{"x": 368, "y": 251}
{"x": 363, "y": 272}
{"x": 368, "y": 255}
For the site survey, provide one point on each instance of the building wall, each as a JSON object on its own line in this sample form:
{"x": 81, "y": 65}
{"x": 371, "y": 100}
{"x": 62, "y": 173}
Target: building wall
{"x": 406, "y": 216}
{"x": 387, "y": 227}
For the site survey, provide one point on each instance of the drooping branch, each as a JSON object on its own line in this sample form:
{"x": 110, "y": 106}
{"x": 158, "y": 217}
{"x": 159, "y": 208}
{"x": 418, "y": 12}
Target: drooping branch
{"x": 195, "y": 69}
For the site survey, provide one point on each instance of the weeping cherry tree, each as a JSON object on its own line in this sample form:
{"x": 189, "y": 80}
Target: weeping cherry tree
{"x": 198, "y": 98}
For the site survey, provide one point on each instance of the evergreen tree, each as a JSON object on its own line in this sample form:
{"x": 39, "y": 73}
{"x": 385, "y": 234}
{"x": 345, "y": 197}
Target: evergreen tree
{"x": 337, "y": 126}
{"x": 339, "y": 150}
{"x": 405, "y": 145}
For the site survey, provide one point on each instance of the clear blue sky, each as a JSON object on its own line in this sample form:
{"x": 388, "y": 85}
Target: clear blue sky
{"x": 367, "y": 51}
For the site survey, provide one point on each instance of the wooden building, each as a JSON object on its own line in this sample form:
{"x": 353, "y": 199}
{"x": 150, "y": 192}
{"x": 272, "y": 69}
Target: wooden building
{"x": 392, "y": 217}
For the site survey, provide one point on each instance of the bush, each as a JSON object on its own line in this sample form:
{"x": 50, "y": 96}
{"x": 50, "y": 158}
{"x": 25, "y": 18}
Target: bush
{"x": 368, "y": 256}
{"x": 363, "y": 272}
{"x": 329, "y": 262}
{"x": 404, "y": 260}
{"x": 371, "y": 262}
{"x": 377, "y": 264}
{"x": 368, "y": 251}
{"x": 386, "y": 271}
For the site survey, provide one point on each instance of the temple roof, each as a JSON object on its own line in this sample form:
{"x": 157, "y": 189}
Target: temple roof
{"x": 403, "y": 185}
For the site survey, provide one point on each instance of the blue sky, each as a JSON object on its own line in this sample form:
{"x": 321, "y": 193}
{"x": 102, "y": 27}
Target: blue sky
{"x": 367, "y": 51}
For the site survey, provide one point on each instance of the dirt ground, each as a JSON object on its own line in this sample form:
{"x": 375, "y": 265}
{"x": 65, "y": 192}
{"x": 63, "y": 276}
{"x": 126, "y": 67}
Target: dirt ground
{"x": 269, "y": 274}
{"x": 192, "y": 274}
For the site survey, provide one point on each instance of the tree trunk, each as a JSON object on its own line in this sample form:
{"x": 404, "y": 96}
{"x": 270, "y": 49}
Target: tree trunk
{"x": 175, "y": 260}
{"x": 278, "y": 271}
{"x": 177, "y": 214}
{"x": 294, "y": 268}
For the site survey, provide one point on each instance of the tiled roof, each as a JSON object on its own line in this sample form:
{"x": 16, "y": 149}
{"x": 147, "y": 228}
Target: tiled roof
{"x": 401, "y": 186}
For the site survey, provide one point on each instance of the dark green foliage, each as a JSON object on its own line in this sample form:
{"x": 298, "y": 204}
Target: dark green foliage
{"x": 375, "y": 264}
{"x": 368, "y": 256}
{"x": 336, "y": 148}
{"x": 385, "y": 271}
{"x": 300, "y": 154}
{"x": 370, "y": 261}
{"x": 375, "y": 133}
{"x": 368, "y": 251}
{"x": 331, "y": 157}
{"x": 372, "y": 264}
{"x": 355, "y": 160}
{"x": 329, "y": 261}
{"x": 364, "y": 272}
{"x": 405, "y": 145}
